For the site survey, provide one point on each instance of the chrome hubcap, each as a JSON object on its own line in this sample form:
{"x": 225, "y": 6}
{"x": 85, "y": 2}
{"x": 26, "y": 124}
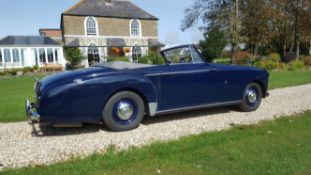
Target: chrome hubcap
{"x": 125, "y": 111}
{"x": 252, "y": 96}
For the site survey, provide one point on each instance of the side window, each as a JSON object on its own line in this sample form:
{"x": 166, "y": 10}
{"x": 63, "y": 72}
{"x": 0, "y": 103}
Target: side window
{"x": 178, "y": 55}
{"x": 195, "y": 55}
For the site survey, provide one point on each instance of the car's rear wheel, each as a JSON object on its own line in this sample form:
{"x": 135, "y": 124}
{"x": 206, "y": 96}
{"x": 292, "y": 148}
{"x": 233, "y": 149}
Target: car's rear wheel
{"x": 124, "y": 111}
{"x": 252, "y": 98}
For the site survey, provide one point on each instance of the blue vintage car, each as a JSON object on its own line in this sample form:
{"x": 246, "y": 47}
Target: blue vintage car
{"x": 120, "y": 94}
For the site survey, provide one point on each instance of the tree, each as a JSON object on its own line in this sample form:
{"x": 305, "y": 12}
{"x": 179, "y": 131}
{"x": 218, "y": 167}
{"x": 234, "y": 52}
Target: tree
{"x": 216, "y": 15}
{"x": 74, "y": 56}
{"x": 255, "y": 18}
{"x": 213, "y": 44}
{"x": 272, "y": 25}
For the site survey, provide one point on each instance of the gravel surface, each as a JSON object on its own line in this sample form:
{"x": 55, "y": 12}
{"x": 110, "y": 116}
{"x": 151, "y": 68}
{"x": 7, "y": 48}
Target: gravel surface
{"x": 20, "y": 149}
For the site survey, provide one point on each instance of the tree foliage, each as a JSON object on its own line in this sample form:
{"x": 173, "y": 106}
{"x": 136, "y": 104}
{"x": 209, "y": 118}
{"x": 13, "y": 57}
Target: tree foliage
{"x": 213, "y": 44}
{"x": 274, "y": 25}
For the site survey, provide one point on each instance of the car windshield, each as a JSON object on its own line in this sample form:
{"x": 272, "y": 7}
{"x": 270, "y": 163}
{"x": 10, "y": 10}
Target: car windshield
{"x": 182, "y": 55}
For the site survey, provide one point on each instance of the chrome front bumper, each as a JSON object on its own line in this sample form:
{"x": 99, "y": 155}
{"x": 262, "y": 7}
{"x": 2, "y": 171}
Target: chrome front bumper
{"x": 31, "y": 112}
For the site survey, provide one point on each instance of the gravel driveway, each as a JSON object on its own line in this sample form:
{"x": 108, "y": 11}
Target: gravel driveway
{"x": 19, "y": 148}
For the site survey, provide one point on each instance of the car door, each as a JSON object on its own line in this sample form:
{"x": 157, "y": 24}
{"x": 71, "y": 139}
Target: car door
{"x": 187, "y": 83}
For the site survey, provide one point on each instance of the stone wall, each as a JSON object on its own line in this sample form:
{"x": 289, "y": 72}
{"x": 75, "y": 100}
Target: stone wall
{"x": 74, "y": 25}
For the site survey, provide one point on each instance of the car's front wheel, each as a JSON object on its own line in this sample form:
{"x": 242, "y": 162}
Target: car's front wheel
{"x": 252, "y": 98}
{"x": 124, "y": 111}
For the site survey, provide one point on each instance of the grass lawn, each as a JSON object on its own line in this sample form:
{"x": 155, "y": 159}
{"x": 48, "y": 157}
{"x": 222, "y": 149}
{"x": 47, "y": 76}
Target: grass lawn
{"x": 275, "y": 147}
{"x": 14, "y": 91}
{"x": 289, "y": 78}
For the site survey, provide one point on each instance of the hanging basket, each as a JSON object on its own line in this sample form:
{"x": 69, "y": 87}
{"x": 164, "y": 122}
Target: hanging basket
{"x": 116, "y": 50}
{"x": 127, "y": 50}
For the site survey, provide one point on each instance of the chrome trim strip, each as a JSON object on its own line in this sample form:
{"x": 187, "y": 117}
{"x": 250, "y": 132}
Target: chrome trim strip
{"x": 199, "y": 107}
{"x": 187, "y": 72}
{"x": 182, "y": 72}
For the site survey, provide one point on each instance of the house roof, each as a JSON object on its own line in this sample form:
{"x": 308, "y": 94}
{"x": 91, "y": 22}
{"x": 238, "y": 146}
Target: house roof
{"x": 27, "y": 41}
{"x": 102, "y": 8}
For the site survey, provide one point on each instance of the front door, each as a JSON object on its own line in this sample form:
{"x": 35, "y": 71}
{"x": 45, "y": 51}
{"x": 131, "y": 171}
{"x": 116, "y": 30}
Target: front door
{"x": 93, "y": 55}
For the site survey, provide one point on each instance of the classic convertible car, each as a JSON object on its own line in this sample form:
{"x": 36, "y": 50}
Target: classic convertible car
{"x": 120, "y": 94}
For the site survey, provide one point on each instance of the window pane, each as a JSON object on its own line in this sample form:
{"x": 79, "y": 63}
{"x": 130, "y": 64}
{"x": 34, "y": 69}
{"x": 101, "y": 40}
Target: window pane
{"x": 7, "y": 55}
{"x": 23, "y": 56}
{"x": 91, "y": 26}
{"x": 135, "y": 28}
{"x": 42, "y": 55}
{"x": 136, "y": 53}
{"x": 56, "y": 54}
{"x": 15, "y": 53}
{"x": 179, "y": 55}
{"x": 195, "y": 55}
{"x": 1, "y": 60}
{"x": 50, "y": 55}
{"x": 35, "y": 56}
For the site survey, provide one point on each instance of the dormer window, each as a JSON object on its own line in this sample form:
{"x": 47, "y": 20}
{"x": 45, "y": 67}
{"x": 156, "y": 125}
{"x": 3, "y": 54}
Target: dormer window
{"x": 91, "y": 26}
{"x": 135, "y": 28}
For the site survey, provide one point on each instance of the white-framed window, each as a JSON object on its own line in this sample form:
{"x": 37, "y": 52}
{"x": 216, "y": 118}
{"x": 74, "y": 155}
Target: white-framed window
{"x": 135, "y": 28}
{"x": 91, "y": 26}
{"x": 23, "y": 56}
{"x": 50, "y": 55}
{"x": 35, "y": 55}
{"x": 15, "y": 53}
{"x": 7, "y": 55}
{"x": 1, "y": 59}
{"x": 42, "y": 56}
{"x": 136, "y": 53}
{"x": 56, "y": 51}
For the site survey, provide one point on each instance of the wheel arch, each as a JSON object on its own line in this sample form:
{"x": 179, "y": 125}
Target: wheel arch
{"x": 145, "y": 99}
{"x": 262, "y": 86}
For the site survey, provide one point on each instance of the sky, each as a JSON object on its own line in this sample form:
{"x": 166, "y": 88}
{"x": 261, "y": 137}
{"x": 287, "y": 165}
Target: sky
{"x": 26, "y": 17}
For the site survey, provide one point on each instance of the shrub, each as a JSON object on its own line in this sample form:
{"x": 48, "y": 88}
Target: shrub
{"x": 74, "y": 56}
{"x": 289, "y": 57}
{"x": 3, "y": 73}
{"x": 282, "y": 66}
{"x": 306, "y": 60}
{"x": 143, "y": 60}
{"x": 296, "y": 65}
{"x": 13, "y": 72}
{"x": 35, "y": 68}
{"x": 241, "y": 58}
{"x": 271, "y": 65}
{"x": 124, "y": 59}
{"x": 275, "y": 57}
{"x": 27, "y": 69}
{"x": 155, "y": 58}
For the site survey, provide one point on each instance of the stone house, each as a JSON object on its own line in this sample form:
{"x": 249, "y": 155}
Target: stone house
{"x": 105, "y": 29}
